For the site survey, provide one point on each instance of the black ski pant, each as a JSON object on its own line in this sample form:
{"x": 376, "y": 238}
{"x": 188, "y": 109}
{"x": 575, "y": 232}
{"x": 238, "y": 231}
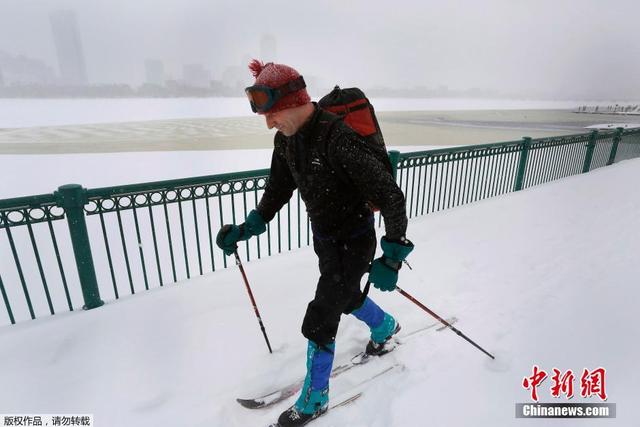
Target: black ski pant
{"x": 342, "y": 264}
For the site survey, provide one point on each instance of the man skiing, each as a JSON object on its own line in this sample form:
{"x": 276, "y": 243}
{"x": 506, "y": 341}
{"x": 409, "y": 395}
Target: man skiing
{"x": 337, "y": 176}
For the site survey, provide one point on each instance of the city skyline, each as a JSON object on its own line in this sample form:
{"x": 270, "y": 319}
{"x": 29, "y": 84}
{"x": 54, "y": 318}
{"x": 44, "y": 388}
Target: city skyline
{"x": 72, "y": 70}
{"x": 541, "y": 49}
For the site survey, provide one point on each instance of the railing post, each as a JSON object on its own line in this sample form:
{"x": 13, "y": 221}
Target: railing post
{"x": 72, "y": 198}
{"x": 522, "y": 166}
{"x": 590, "y": 147}
{"x": 614, "y": 148}
{"x": 394, "y": 157}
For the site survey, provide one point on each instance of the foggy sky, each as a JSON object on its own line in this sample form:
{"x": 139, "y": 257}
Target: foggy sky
{"x": 581, "y": 49}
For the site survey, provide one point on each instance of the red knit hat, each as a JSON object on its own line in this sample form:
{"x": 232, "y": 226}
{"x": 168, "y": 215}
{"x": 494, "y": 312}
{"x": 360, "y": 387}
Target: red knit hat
{"x": 274, "y": 76}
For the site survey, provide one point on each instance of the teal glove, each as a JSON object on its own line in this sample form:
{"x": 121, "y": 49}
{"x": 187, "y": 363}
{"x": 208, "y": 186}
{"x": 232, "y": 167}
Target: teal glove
{"x": 384, "y": 270}
{"x": 230, "y": 234}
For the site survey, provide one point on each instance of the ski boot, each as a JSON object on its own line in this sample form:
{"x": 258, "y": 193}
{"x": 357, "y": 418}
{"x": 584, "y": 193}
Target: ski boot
{"x": 379, "y": 343}
{"x": 318, "y": 403}
{"x": 382, "y": 325}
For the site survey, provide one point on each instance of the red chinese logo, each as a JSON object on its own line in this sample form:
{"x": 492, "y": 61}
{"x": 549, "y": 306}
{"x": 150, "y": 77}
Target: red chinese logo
{"x": 592, "y": 383}
{"x": 562, "y": 384}
{"x": 534, "y": 381}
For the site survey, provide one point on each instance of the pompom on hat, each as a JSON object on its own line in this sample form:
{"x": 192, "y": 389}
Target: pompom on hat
{"x": 274, "y": 76}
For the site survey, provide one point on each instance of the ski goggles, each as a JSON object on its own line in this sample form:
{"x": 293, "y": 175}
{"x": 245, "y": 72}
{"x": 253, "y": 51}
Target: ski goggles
{"x": 263, "y": 98}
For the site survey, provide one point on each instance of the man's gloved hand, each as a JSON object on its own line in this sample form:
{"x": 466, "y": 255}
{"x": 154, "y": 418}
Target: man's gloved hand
{"x": 230, "y": 234}
{"x": 384, "y": 270}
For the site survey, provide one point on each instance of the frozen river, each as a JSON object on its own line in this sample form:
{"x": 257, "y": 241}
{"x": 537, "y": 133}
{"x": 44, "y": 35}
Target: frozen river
{"x": 58, "y": 112}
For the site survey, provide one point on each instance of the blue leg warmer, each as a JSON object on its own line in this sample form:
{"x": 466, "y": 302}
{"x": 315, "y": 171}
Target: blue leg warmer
{"x": 369, "y": 313}
{"x": 315, "y": 391}
{"x": 381, "y": 324}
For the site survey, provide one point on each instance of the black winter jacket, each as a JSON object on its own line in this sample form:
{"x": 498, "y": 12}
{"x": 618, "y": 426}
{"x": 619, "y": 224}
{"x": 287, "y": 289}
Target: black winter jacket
{"x": 336, "y": 200}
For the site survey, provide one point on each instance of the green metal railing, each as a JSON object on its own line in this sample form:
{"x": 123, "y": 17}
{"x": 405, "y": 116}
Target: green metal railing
{"x": 123, "y": 240}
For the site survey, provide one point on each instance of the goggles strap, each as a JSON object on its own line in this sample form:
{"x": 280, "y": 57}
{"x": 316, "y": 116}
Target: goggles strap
{"x": 292, "y": 86}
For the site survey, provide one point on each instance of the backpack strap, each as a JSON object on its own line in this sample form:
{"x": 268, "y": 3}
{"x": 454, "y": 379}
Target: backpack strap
{"x": 324, "y": 135}
{"x": 331, "y": 119}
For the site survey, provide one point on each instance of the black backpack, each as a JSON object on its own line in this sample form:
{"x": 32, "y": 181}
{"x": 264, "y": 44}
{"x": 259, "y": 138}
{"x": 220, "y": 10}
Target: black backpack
{"x": 355, "y": 110}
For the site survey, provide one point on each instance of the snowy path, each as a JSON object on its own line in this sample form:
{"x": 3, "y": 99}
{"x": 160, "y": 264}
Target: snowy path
{"x": 546, "y": 276}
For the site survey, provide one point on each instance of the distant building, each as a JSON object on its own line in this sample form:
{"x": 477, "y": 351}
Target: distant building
{"x": 268, "y": 48}
{"x": 196, "y": 75}
{"x": 66, "y": 37}
{"x": 246, "y": 58}
{"x": 235, "y": 77}
{"x": 22, "y": 70}
{"x": 1, "y": 78}
{"x": 154, "y": 72}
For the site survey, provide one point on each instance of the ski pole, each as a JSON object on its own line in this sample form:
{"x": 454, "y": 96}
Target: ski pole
{"x": 253, "y": 301}
{"x": 444, "y": 322}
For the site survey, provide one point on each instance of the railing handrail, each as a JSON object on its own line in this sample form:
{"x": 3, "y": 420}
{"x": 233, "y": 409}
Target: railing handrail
{"x": 27, "y": 201}
{"x": 175, "y": 183}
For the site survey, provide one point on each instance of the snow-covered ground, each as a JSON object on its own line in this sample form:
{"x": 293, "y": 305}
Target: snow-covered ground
{"x": 22, "y": 175}
{"x": 16, "y": 113}
{"x": 119, "y": 168}
{"x": 546, "y": 276}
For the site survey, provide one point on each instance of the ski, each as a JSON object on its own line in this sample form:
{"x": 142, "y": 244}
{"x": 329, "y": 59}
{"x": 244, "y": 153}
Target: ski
{"x": 362, "y": 357}
{"x": 287, "y": 391}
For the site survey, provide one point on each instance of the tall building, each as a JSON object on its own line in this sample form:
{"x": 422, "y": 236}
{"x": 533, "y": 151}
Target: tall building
{"x": 66, "y": 37}
{"x": 196, "y": 75}
{"x": 1, "y": 78}
{"x": 268, "y": 48}
{"x": 154, "y": 72}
